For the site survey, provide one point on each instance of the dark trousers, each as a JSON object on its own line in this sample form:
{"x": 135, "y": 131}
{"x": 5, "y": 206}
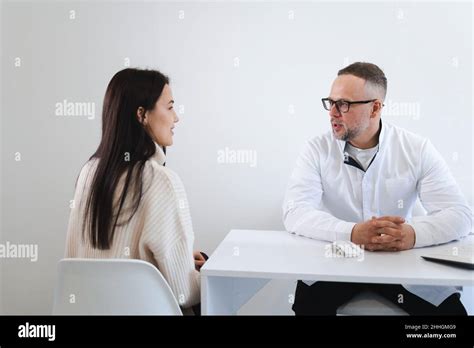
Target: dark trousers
{"x": 324, "y": 298}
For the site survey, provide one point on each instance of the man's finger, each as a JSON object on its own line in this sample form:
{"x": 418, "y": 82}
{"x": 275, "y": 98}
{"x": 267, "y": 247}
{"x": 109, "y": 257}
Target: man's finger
{"x": 373, "y": 247}
{"x": 394, "y": 246}
{"x": 397, "y": 244}
{"x": 384, "y": 239}
{"x": 394, "y": 219}
{"x": 394, "y": 232}
{"x": 384, "y": 223}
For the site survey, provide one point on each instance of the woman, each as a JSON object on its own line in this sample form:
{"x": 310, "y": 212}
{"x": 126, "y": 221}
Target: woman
{"x": 127, "y": 204}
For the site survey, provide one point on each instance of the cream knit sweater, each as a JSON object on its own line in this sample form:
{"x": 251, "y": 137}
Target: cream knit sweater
{"x": 160, "y": 232}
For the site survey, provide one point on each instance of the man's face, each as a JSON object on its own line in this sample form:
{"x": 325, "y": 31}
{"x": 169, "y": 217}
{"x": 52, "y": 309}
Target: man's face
{"x": 349, "y": 125}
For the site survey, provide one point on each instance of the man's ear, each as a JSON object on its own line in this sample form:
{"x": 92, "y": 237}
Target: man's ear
{"x": 141, "y": 115}
{"x": 377, "y": 108}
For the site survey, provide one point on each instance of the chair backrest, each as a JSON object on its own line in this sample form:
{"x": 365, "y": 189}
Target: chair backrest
{"x": 112, "y": 287}
{"x": 370, "y": 303}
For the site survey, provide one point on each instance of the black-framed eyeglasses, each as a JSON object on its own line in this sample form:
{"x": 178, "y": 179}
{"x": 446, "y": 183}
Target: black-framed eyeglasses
{"x": 341, "y": 104}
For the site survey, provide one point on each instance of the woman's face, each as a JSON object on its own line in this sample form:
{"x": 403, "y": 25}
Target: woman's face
{"x": 159, "y": 122}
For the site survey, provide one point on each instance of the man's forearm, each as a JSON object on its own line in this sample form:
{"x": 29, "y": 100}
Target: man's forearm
{"x": 316, "y": 224}
{"x": 442, "y": 227}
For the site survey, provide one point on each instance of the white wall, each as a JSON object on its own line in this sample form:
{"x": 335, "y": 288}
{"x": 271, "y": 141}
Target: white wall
{"x": 288, "y": 54}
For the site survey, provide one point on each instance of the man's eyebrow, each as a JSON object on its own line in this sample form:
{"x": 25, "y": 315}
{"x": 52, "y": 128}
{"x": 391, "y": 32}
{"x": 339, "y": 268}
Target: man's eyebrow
{"x": 171, "y": 101}
{"x": 344, "y": 99}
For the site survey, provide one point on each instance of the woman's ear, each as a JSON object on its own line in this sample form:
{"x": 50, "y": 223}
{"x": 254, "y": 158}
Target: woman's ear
{"x": 141, "y": 115}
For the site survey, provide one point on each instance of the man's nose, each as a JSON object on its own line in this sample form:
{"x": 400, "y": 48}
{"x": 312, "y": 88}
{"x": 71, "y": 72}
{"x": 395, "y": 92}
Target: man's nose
{"x": 334, "y": 112}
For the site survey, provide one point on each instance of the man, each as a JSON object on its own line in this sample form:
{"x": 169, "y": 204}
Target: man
{"x": 360, "y": 182}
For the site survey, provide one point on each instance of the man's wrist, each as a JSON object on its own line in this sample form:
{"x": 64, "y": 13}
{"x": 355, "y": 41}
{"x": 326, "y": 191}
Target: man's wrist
{"x": 412, "y": 232}
{"x": 414, "y": 236}
{"x": 353, "y": 232}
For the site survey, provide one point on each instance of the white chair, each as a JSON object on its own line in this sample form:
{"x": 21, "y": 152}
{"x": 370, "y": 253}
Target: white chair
{"x": 112, "y": 287}
{"x": 370, "y": 303}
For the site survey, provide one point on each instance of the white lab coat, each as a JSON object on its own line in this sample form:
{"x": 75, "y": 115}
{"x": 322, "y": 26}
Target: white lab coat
{"x": 328, "y": 194}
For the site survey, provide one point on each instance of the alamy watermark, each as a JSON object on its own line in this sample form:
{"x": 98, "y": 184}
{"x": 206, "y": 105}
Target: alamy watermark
{"x": 21, "y": 251}
{"x": 403, "y": 109}
{"x": 344, "y": 250}
{"x": 68, "y": 108}
{"x": 37, "y": 331}
{"x": 240, "y": 156}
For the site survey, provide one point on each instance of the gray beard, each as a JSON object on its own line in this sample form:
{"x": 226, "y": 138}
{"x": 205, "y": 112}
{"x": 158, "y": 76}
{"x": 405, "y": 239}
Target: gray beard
{"x": 350, "y": 134}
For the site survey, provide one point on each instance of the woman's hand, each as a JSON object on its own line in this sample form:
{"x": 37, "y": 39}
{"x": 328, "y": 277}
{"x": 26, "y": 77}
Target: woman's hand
{"x": 199, "y": 260}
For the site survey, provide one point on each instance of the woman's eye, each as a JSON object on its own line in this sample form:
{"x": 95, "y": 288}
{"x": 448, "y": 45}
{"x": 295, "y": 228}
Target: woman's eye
{"x": 170, "y": 108}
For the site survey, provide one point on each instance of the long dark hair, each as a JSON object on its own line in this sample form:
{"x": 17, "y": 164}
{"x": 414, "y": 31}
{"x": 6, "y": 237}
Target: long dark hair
{"x": 124, "y": 148}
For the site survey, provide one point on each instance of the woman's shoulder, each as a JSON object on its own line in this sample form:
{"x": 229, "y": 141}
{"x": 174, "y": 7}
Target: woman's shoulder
{"x": 86, "y": 172}
{"x": 156, "y": 175}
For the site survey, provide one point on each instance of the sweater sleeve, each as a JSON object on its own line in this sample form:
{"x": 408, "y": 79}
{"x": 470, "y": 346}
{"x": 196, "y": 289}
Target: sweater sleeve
{"x": 168, "y": 233}
{"x": 76, "y": 215}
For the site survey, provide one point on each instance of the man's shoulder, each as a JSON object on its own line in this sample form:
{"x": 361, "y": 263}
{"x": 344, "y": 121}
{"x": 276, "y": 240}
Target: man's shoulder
{"x": 402, "y": 136}
{"x": 322, "y": 141}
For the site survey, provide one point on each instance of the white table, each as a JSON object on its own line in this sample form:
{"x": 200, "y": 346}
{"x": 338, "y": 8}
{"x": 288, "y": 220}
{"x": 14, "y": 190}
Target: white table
{"x": 247, "y": 259}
